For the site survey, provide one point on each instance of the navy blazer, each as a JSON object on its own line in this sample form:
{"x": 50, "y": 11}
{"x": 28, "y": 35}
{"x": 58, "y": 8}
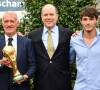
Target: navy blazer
{"x": 25, "y": 60}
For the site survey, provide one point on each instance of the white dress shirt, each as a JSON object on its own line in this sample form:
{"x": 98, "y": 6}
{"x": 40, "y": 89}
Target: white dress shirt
{"x": 14, "y": 42}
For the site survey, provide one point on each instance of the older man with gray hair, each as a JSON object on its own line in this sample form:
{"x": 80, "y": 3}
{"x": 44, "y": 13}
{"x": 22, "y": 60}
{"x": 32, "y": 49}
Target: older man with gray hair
{"x": 24, "y": 54}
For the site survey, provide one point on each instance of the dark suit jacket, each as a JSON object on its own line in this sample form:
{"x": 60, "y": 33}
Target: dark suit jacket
{"x": 25, "y": 62}
{"x": 55, "y": 75}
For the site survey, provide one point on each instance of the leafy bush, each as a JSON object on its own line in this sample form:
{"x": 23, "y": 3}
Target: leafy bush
{"x": 68, "y": 10}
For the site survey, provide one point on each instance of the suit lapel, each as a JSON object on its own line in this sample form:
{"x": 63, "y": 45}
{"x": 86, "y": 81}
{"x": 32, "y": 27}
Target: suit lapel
{"x": 19, "y": 46}
{"x": 41, "y": 42}
{"x": 3, "y": 43}
{"x": 61, "y": 36}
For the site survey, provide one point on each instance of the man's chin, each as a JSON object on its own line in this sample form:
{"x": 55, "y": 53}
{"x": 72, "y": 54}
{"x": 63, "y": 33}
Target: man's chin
{"x": 88, "y": 30}
{"x": 50, "y": 26}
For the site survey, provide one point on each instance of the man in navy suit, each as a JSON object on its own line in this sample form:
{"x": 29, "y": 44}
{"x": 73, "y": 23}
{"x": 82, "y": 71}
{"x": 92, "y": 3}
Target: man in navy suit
{"x": 24, "y": 54}
{"x": 52, "y": 73}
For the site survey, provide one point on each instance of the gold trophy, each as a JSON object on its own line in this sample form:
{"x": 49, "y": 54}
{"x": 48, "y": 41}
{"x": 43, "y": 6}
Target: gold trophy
{"x": 9, "y": 54}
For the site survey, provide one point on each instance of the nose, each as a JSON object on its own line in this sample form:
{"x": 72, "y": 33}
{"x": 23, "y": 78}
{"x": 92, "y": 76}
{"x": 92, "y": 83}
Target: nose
{"x": 48, "y": 16}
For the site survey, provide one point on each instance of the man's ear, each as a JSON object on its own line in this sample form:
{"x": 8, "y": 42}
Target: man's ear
{"x": 97, "y": 20}
{"x": 17, "y": 23}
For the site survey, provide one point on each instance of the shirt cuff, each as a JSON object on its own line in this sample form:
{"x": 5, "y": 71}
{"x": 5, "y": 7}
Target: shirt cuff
{"x": 0, "y": 63}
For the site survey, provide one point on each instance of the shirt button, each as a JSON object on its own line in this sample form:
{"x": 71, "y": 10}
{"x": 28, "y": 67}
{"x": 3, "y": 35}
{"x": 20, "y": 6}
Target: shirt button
{"x": 50, "y": 61}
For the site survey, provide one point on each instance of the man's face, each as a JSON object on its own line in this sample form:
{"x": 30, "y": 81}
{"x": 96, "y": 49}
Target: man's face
{"x": 49, "y": 17}
{"x": 10, "y": 24}
{"x": 89, "y": 23}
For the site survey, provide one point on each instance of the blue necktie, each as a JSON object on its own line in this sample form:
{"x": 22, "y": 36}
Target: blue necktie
{"x": 10, "y": 41}
{"x": 10, "y": 72}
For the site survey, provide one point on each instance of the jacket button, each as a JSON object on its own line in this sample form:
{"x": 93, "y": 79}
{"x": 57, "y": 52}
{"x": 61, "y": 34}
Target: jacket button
{"x": 50, "y": 61}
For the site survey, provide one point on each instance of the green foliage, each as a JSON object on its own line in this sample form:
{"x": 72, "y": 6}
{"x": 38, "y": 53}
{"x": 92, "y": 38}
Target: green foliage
{"x": 31, "y": 84}
{"x": 68, "y": 10}
{"x": 1, "y": 28}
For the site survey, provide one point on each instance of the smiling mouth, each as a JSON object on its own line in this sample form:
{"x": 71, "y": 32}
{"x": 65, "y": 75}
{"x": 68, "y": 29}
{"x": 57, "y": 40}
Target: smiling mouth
{"x": 48, "y": 21}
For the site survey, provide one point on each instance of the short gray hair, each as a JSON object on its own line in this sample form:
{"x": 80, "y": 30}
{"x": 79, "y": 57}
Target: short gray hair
{"x": 10, "y": 12}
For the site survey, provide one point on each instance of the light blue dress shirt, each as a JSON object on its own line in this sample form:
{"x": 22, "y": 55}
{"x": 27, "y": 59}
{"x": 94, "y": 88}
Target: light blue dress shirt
{"x": 87, "y": 62}
{"x": 54, "y": 34}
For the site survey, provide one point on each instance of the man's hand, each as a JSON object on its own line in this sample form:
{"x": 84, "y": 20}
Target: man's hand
{"x": 76, "y": 33}
{"x": 5, "y": 62}
{"x": 19, "y": 33}
{"x": 22, "y": 80}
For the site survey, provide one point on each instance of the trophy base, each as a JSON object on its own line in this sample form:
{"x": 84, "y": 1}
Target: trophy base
{"x": 17, "y": 77}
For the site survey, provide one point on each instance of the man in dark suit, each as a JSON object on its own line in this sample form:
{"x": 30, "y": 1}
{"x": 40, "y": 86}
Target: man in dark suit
{"x": 24, "y": 52}
{"x": 53, "y": 70}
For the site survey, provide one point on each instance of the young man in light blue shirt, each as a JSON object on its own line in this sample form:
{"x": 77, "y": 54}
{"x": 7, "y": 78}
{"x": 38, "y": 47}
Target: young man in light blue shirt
{"x": 86, "y": 48}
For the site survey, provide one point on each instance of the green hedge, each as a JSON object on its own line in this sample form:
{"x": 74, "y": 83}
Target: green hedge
{"x": 68, "y": 10}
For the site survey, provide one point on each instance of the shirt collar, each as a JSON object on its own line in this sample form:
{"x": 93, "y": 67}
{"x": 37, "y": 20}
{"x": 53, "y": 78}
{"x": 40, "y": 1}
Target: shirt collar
{"x": 53, "y": 29}
{"x": 98, "y": 33}
{"x": 14, "y": 37}
{"x": 81, "y": 33}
